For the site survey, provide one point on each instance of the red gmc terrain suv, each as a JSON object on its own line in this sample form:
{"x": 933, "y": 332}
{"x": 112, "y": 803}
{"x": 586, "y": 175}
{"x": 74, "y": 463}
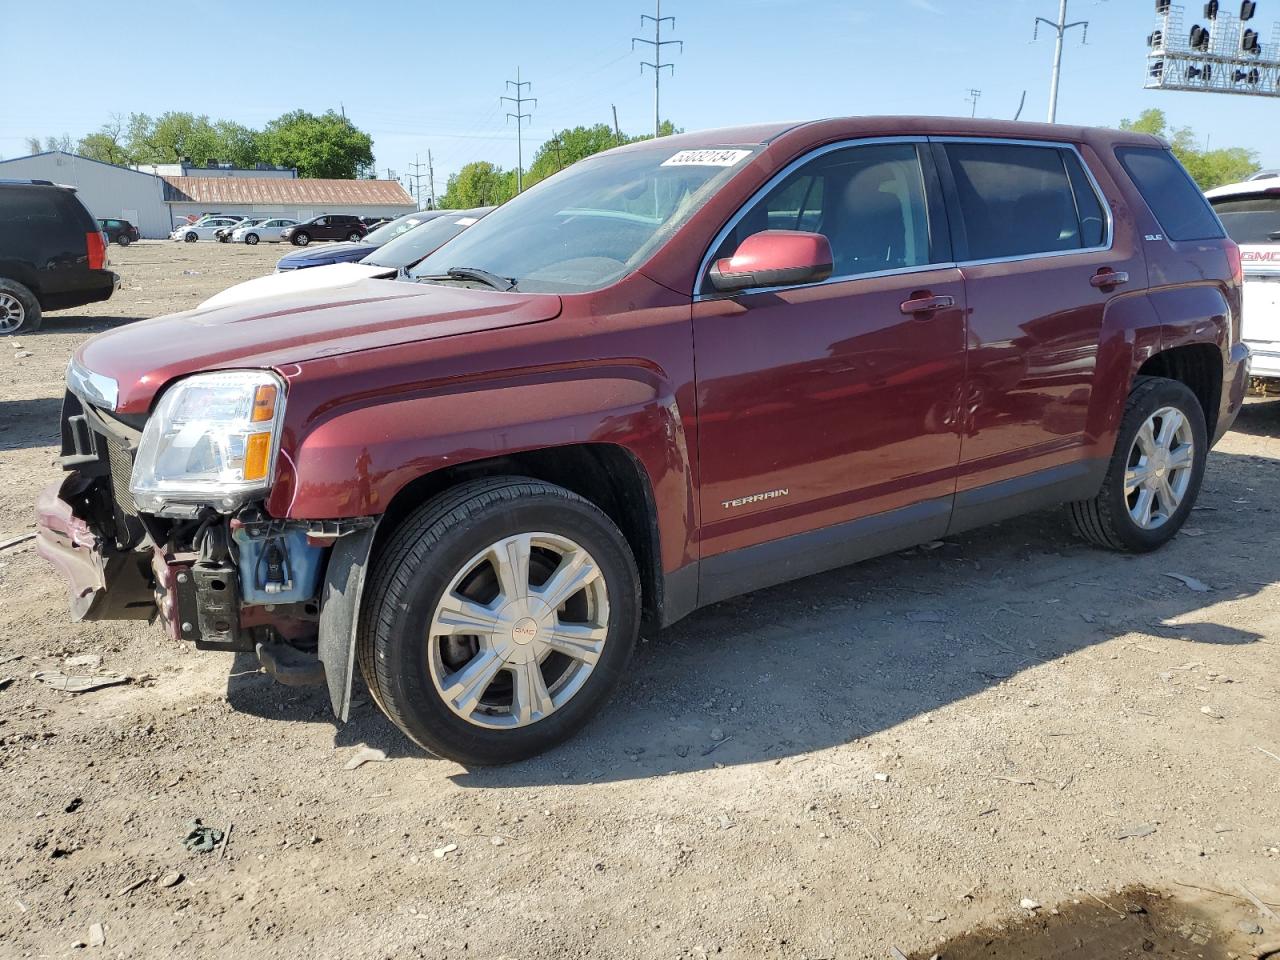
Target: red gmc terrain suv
{"x": 674, "y": 372}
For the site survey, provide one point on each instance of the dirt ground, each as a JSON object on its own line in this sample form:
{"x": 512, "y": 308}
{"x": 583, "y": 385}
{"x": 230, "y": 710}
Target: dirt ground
{"x": 885, "y": 757}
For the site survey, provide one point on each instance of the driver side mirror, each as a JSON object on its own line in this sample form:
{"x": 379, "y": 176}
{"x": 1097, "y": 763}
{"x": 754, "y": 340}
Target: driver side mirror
{"x": 774, "y": 258}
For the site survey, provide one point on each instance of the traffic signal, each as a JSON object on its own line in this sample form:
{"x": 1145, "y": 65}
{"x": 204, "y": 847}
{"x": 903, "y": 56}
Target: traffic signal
{"x": 1249, "y": 42}
{"x": 1200, "y": 38}
{"x": 1211, "y": 10}
{"x": 1248, "y": 9}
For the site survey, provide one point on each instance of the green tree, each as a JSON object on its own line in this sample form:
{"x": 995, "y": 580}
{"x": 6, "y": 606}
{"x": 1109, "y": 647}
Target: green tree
{"x": 236, "y": 144}
{"x": 478, "y": 184}
{"x": 107, "y": 143}
{"x": 328, "y": 145}
{"x": 1209, "y": 168}
{"x": 567, "y": 147}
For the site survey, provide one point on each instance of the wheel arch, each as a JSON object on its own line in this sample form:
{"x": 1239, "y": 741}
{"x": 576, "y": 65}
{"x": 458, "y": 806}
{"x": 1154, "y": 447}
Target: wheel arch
{"x": 1197, "y": 365}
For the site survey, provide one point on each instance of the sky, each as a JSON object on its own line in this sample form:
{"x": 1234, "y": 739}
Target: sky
{"x": 425, "y": 75}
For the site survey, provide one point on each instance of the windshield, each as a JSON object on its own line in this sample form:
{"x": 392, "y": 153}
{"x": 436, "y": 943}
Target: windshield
{"x": 389, "y": 231}
{"x": 592, "y": 223}
{"x": 1251, "y": 220}
{"x": 413, "y": 245}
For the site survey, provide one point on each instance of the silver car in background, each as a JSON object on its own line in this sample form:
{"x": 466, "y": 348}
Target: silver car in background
{"x": 268, "y": 230}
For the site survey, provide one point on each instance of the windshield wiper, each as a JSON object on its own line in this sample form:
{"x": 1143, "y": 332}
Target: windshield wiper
{"x": 484, "y": 276}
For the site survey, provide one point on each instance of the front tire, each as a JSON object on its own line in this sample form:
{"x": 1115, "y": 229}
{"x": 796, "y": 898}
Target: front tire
{"x": 191, "y": 237}
{"x": 123, "y": 240}
{"x": 500, "y": 617}
{"x": 1155, "y": 472}
{"x": 19, "y": 308}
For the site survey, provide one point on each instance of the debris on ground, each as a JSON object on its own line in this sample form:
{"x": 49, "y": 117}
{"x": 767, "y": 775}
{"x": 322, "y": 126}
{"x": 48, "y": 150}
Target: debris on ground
{"x": 1191, "y": 583}
{"x": 1026, "y": 903}
{"x": 1140, "y": 830}
{"x": 201, "y": 838}
{"x": 169, "y": 879}
{"x": 71, "y": 683}
{"x": 14, "y": 541}
{"x": 366, "y": 755}
{"x": 441, "y": 852}
{"x": 97, "y": 935}
{"x": 1211, "y": 713}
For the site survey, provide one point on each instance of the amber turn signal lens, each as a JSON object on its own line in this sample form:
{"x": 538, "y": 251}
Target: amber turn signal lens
{"x": 257, "y": 456}
{"x": 264, "y": 403}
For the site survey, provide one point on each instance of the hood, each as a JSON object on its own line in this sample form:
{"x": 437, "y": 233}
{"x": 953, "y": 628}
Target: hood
{"x": 273, "y": 332}
{"x": 326, "y": 276}
{"x": 329, "y": 253}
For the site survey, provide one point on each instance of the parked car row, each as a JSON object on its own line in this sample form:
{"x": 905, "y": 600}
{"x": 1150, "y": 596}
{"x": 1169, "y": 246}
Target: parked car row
{"x": 223, "y": 228}
{"x": 672, "y": 373}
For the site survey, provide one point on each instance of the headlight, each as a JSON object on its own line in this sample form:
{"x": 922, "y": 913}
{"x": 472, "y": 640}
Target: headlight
{"x": 212, "y": 439}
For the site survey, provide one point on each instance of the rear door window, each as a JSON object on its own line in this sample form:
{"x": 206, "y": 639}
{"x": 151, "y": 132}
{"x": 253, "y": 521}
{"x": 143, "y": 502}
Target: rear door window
{"x": 1021, "y": 200}
{"x": 1250, "y": 220}
{"x": 1172, "y": 195}
{"x": 868, "y": 201}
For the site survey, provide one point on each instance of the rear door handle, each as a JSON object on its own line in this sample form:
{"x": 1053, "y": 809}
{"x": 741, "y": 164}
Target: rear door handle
{"x": 1106, "y": 277}
{"x": 926, "y": 305}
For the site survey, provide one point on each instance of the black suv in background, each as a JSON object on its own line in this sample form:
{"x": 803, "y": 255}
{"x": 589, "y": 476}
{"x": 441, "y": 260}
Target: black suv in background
{"x": 53, "y": 254}
{"x": 328, "y": 226}
{"x": 119, "y": 231}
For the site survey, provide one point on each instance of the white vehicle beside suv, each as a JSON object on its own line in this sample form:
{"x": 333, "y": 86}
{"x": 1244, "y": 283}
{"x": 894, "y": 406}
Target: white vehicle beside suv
{"x": 1251, "y": 213}
{"x": 203, "y": 228}
{"x": 268, "y": 230}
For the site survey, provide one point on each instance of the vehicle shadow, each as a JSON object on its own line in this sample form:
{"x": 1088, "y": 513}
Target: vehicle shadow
{"x": 842, "y": 655}
{"x": 30, "y": 423}
{"x": 1260, "y": 417}
{"x": 78, "y": 323}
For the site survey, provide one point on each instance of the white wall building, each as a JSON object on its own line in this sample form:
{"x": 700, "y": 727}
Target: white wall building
{"x": 106, "y": 190}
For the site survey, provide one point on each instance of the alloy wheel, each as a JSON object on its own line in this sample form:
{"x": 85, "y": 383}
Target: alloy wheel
{"x": 12, "y": 313}
{"x": 1159, "y": 468}
{"x": 518, "y": 630}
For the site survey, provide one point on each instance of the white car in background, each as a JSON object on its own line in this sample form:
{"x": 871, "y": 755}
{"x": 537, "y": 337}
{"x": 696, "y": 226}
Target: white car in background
{"x": 268, "y": 230}
{"x": 203, "y": 228}
{"x": 1251, "y": 213}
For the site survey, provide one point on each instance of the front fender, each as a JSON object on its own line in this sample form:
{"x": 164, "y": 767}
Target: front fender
{"x": 353, "y": 461}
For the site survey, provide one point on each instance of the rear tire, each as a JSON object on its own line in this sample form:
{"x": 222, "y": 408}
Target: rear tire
{"x": 506, "y": 691}
{"x": 191, "y": 237}
{"x": 123, "y": 240}
{"x": 354, "y": 237}
{"x": 251, "y": 238}
{"x": 19, "y": 308}
{"x": 1144, "y": 477}
{"x": 301, "y": 239}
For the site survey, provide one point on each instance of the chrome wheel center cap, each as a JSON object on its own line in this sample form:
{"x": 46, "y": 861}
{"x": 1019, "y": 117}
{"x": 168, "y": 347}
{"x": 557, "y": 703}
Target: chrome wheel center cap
{"x": 524, "y": 631}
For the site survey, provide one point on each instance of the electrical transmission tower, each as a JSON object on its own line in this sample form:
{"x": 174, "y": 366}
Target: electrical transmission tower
{"x": 1060, "y": 27}
{"x": 657, "y": 43}
{"x": 519, "y": 100}
{"x": 973, "y": 97}
{"x": 417, "y": 177}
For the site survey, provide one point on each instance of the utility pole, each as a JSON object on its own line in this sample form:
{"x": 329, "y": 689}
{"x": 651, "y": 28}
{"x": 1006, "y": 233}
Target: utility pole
{"x": 431, "y": 181}
{"x": 416, "y": 176}
{"x": 617, "y": 130}
{"x": 555, "y": 141}
{"x": 974, "y": 97}
{"x": 657, "y": 43}
{"x": 519, "y": 100}
{"x": 1060, "y": 28}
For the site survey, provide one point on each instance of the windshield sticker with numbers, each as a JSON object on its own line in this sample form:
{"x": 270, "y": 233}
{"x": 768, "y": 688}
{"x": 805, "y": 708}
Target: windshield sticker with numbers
{"x": 706, "y": 158}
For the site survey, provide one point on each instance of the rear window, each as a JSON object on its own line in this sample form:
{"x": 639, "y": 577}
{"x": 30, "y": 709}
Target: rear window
{"x": 1021, "y": 200}
{"x": 1250, "y": 220}
{"x": 1172, "y": 195}
{"x": 29, "y": 206}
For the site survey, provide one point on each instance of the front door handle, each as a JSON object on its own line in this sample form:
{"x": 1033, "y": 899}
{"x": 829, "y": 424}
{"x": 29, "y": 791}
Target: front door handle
{"x": 1106, "y": 277}
{"x": 924, "y": 305}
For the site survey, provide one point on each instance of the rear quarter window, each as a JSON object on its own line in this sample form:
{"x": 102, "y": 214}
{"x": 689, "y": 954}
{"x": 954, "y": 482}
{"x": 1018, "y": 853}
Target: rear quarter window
{"x": 1174, "y": 198}
{"x": 25, "y": 207}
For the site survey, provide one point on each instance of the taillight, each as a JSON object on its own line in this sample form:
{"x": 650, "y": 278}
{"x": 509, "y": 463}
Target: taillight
{"x": 1235, "y": 262}
{"x": 97, "y": 250}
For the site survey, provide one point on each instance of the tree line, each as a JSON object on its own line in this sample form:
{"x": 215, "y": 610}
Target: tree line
{"x": 326, "y": 145}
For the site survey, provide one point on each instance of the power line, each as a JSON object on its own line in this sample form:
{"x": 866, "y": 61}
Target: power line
{"x": 657, "y": 43}
{"x": 1060, "y": 27}
{"x": 520, "y": 117}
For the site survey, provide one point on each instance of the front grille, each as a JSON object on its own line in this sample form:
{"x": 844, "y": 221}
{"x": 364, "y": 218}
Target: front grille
{"x": 120, "y": 460}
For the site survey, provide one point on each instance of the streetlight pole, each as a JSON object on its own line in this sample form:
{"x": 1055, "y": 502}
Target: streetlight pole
{"x": 1060, "y": 28}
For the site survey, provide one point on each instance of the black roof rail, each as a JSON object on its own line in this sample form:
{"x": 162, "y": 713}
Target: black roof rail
{"x": 25, "y": 183}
